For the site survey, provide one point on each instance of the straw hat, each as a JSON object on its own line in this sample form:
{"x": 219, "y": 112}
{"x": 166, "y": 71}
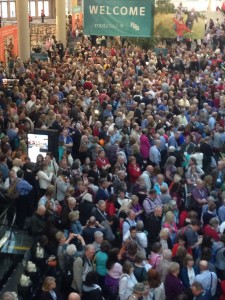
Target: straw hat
{"x": 139, "y": 288}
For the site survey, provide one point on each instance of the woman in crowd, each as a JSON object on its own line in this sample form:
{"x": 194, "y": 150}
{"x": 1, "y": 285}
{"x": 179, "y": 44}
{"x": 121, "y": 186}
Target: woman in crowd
{"x": 173, "y": 285}
{"x": 101, "y": 259}
{"x": 49, "y": 290}
{"x": 189, "y": 271}
{"x": 157, "y": 290}
{"x": 127, "y": 281}
{"x": 114, "y": 272}
{"x": 44, "y": 178}
{"x": 90, "y": 288}
{"x": 170, "y": 169}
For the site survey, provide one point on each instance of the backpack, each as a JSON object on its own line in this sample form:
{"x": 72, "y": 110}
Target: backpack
{"x": 181, "y": 231}
{"x": 154, "y": 263}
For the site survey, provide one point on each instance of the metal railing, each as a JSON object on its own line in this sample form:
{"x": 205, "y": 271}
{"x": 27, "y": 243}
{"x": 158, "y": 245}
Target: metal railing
{"x": 9, "y": 227}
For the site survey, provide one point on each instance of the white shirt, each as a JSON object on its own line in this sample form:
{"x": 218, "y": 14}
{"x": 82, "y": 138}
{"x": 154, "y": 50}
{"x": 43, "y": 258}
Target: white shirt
{"x": 44, "y": 179}
{"x": 191, "y": 275}
{"x": 126, "y": 285}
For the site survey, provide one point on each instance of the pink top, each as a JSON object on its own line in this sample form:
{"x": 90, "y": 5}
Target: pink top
{"x": 172, "y": 227}
{"x": 116, "y": 271}
{"x": 144, "y": 146}
{"x": 154, "y": 259}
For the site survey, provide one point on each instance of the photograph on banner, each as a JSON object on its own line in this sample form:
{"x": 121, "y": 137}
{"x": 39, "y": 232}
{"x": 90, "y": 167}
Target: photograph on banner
{"x": 183, "y": 19}
{"x": 129, "y": 18}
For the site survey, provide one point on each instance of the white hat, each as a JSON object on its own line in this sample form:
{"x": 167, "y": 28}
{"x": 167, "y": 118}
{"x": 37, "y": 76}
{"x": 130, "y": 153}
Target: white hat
{"x": 171, "y": 149}
{"x": 71, "y": 249}
{"x": 87, "y": 197}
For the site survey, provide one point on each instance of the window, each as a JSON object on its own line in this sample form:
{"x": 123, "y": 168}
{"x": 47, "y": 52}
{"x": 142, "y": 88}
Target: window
{"x": 40, "y": 7}
{"x": 4, "y": 10}
{"x": 12, "y": 10}
{"x": 32, "y": 8}
{"x": 46, "y": 8}
{"x": 8, "y": 8}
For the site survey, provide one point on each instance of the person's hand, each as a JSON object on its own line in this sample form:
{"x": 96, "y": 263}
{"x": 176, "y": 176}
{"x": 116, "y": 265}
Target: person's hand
{"x": 71, "y": 235}
{"x": 79, "y": 237}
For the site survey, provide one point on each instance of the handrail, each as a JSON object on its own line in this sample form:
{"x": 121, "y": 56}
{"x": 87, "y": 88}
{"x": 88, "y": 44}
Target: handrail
{"x": 13, "y": 221}
{"x": 4, "y": 214}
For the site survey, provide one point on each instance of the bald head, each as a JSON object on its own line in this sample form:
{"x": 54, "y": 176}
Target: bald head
{"x": 74, "y": 296}
{"x": 41, "y": 210}
{"x": 203, "y": 265}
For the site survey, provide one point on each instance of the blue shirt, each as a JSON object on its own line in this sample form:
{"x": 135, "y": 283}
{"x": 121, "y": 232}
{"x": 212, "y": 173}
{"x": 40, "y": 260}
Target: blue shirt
{"x": 66, "y": 140}
{"x": 221, "y": 213}
{"x": 208, "y": 280}
{"x": 23, "y": 187}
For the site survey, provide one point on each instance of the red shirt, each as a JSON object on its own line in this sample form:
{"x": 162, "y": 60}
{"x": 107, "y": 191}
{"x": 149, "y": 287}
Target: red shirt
{"x": 102, "y": 162}
{"x": 209, "y": 231}
{"x": 175, "y": 248}
{"x": 134, "y": 172}
{"x": 110, "y": 208}
{"x": 88, "y": 85}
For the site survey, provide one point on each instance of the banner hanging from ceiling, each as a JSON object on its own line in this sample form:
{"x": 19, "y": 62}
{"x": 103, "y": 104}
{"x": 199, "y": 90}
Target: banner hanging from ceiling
{"x": 128, "y": 18}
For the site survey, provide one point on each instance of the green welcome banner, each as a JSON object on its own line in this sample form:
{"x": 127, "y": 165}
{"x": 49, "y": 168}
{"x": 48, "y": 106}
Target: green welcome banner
{"x": 128, "y": 18}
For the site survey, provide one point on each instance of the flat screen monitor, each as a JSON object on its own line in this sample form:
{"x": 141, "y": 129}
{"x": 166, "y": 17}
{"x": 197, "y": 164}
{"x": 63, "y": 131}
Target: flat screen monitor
{"x": 37, "y": 144}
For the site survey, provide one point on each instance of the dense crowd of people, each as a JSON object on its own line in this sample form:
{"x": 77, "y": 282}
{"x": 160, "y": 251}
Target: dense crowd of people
{"x": 133, "y": 207}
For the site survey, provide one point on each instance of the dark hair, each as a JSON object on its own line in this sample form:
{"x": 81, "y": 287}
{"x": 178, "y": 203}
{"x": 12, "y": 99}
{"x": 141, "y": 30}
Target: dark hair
{"x": 206, "y": 241}
{"x": 139, "y": 258}
{"x": 156, "y": 247}
{"x": 2, "y": 157}
{"x": 152, "y": 192}
{"x": 127, "y": 266}
{"x": 92, "y": 164}
{"x": 105, "y": 246}
{"x": 187, "y": 258}
{"x": 43, "y": 240}
{"x": 19, "y": 173}
{"x": 91, "y": 278}
{"x": 153, "y": 278}
{"x": 132, "y": 228}
{"x": 182, "y": 237}
{"x": 195, "y": 222}
{"x": 112, "y": 198}
{"x": 181, "y": 252}
{"x": 112, "y": 258}
{"x": 206, "y": 254}
{"x": 131, "y": 248}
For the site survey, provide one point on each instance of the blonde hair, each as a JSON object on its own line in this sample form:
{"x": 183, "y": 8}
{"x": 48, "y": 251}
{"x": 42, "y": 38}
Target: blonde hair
{"x": 47, "y": 283}
{"x": 169, "y": 217}
{"x": 134, "y": 198}
{"x": 17, "y": 162}
{"x": 164, "y": 232}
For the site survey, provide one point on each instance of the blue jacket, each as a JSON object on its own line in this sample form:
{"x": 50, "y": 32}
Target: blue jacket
{"x": 184, "y": 275}
{"x": 76, "y": 227}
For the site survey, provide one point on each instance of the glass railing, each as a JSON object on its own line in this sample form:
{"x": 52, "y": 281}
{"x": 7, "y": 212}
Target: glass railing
{"x": 12, "y": 239}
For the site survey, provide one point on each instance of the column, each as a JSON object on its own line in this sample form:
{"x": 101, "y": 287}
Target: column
{"x": 61, "y": 21}
{"x": 23, "y": 29}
